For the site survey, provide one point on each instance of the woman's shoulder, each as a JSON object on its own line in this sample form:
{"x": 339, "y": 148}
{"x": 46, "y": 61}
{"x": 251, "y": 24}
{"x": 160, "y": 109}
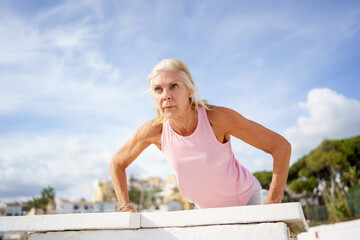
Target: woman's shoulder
{"x": 218, "y": 111}
{"x": 149, "y": 131}
{"x": 219, "y": 115}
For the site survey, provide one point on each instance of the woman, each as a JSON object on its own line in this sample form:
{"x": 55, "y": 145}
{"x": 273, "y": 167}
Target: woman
{"x": 195, "y": 139}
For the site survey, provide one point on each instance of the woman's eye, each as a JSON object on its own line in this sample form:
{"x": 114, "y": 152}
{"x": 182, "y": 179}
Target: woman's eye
{"x": 157, "y": 89}
{"x": 174, "y": 85}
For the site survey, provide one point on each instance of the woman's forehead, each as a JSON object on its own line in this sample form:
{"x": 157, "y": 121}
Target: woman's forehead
{"x": 166, "y": 77}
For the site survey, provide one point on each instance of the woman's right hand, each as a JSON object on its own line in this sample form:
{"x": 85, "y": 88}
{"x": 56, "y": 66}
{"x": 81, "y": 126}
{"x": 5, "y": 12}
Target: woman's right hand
{"x": 128, "y": 209}
{"x": 146, "y": 135}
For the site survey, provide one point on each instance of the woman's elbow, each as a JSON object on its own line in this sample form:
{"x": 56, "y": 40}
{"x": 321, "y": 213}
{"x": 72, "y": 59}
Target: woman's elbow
{"x": 285, "y": 151}
{"x": 287, "y": 146}
{"x": 116, "y": 164}
{"x": 283, "y": 147}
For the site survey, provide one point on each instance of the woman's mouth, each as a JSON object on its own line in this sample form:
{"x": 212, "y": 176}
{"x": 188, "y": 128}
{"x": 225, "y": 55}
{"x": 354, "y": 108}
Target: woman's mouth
{"x": 168, "y": 107}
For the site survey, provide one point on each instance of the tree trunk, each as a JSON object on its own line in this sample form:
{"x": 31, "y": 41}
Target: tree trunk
{"x": 332, "y": 184}
{"x": 307, "y": 208}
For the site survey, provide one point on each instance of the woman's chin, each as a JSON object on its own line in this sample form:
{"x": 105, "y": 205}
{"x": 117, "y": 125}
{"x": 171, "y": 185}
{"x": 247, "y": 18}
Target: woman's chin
{"x": 169, "y": 115}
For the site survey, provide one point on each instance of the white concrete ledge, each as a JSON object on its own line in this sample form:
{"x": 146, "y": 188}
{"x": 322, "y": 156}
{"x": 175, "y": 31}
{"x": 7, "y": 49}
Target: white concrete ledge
{"x": 271, "y": 220}
{"x": 64, "y": 222}
{"x": 289, "y": 213}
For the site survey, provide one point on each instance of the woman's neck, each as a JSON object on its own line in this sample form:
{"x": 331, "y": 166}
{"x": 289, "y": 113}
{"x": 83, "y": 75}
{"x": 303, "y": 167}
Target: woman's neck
{"x": 185, "y": 124}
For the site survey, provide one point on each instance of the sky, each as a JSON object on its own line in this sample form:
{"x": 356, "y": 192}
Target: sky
{"x": 74, "y": 88}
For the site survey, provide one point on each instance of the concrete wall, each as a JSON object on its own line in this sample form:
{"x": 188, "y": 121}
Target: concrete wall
{"x": 343, "y": 230}
{"x": 263, "y": 231}
{"x": 277, "y": 221}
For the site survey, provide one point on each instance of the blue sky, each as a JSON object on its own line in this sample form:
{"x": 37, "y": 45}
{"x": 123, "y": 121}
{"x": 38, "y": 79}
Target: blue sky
{"x": 73, "y": 80}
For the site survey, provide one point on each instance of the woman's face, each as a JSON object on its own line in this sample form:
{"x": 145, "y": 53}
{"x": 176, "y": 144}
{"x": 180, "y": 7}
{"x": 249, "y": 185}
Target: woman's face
{"x": 170, "y": 94}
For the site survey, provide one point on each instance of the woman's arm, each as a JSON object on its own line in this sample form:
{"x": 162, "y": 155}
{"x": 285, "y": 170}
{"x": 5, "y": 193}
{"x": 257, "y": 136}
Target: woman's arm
{"x": 144, "y": 137}
{"x": 232, "y": 123}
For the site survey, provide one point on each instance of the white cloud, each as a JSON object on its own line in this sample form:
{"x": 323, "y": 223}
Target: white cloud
{"x": 71, "y": 9}
{"x": 68, "y": 162}
{"x": 330, "y": 115}
{"x": 64, "y": 162}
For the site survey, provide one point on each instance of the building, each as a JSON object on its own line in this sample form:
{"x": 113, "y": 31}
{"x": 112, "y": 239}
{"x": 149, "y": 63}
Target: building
{"x": 16, "y": 209}
{"x": 170, "y": 206}
{"x": 104, "y": 191}
{"x": 66, "y": 206}
{"x": 170, "y": 194}
{"x": 109, "y": 206}
{"x": 2, "y": 208}
{"x": 154, "y": 183}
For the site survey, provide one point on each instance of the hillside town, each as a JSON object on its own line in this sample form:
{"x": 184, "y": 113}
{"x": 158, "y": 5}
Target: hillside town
{"x": 149, "y": 195}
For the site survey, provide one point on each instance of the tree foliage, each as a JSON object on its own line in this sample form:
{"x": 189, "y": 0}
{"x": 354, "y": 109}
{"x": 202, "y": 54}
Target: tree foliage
{"x": 35, "y": 203}
{"x": 330, "y": 155}
{"x": 47, "y": 197}
{"x": 264, "y": 178}
{"x": 303, "y": 185}
{"x": 327, "y": 172}
{"x": 134, "y": 194}
{"x": 296, "y": 168}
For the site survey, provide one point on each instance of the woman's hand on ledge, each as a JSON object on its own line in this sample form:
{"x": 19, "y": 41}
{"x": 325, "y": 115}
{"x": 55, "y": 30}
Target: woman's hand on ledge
{"x": 128, "y": 209}
{"x": 273, "y": 201}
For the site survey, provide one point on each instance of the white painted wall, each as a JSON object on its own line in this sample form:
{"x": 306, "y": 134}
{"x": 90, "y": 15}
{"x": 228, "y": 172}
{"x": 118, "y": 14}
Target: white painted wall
{"x": 105, "y": 207}
{"x": 263, "y": 231}
{"x": 343, "y": 231}
{"x": 63, "y": 206}
{"x": 14, "y": 210}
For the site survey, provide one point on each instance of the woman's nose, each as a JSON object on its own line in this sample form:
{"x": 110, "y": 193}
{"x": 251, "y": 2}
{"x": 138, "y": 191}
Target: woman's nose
{"x": 166, "y": 94}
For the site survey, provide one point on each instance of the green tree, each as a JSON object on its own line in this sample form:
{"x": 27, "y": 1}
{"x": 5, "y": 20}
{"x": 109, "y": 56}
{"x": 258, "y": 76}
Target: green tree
{"x": 264, "y": 178}
{"x": 338, "y": 208}
{"x": 134, "y": 194}
{"x": 328, "y": 161}
{"x": 329, "y": 156}
{"x": 352, "y": 148}
{"x": 35, "y": 203}
{"x": 305, "y": 188}
{"x": 175, "y": 190}
{"x": 47, "y": 197}
{"x": 48, "y": 193}
{"x": 336, "y": 166}
{"x": 351, "y": 176}
{"x": 295, "y": 168}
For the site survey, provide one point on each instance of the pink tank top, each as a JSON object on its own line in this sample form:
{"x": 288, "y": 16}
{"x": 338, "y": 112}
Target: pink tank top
{"x": 207, "y": 172}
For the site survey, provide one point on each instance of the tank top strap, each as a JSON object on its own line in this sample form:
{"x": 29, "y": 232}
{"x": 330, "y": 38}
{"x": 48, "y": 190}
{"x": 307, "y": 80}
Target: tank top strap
{"x": 203, "y": 122}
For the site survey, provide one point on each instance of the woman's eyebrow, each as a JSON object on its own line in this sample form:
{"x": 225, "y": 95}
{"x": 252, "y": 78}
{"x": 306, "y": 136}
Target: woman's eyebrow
{"x": 158, "y": 85}
{"x": 173, "y": 82}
